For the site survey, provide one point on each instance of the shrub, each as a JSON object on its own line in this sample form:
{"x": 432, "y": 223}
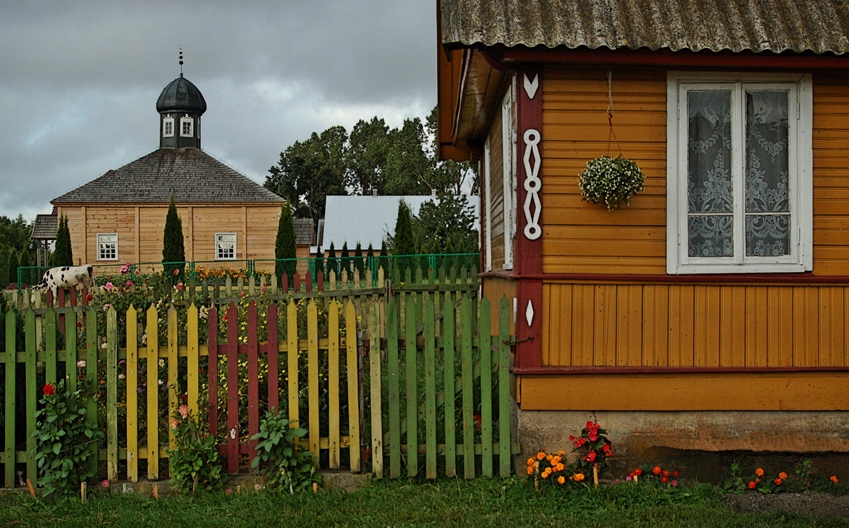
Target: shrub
{"x": 64, "y": 438}
{"x": 281, "y": 458}
{"x": 194, "y": 461}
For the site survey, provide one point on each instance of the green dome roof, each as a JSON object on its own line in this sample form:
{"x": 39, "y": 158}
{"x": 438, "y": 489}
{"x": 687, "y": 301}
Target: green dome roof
{"x": 181, "y": 95}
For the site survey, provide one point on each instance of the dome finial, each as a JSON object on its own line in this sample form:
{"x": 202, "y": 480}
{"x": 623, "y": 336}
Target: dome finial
{"x": 181, "y": 61}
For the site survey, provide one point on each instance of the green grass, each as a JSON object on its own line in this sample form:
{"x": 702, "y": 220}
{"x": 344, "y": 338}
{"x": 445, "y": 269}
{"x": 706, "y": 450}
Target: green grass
{"x": 481, "y": 502}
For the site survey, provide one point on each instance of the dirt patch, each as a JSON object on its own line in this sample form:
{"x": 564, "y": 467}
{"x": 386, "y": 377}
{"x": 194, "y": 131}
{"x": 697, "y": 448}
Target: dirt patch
{"x": 821, "y": 504}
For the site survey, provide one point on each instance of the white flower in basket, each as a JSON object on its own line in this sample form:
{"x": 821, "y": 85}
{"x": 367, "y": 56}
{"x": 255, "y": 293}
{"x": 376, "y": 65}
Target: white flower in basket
{"x": 610, "y": 181}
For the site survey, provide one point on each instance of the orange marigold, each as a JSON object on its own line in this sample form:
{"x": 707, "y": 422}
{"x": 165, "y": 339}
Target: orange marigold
{"x": 561, "y": 480}
{"x": 782, "y": 475}
{"x": 759, "y": 472}
{"x": 752, "y": 484}
{"x": 834, "y": 479}
{"x": 778, "y": 481}
{"x": 530, "y": 470}
{"x": 559, "y": 467}
{"x": 531, "y": 461}
{"x": 540, "y": 455}
{"x": 578, "y": 477}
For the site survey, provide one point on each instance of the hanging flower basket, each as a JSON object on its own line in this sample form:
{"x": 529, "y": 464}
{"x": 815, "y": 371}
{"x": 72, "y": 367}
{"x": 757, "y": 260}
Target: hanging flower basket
{"x": 610, "y": 181}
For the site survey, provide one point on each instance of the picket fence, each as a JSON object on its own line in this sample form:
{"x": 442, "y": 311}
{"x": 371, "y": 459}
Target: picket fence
{"x": 388, "y": 380}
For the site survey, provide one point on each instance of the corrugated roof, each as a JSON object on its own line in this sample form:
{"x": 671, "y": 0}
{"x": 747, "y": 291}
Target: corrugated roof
{"x": 818, "y": 26}
{"x": 189, "y": 175}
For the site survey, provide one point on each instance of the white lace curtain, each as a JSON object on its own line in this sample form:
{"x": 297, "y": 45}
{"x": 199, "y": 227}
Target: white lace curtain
{"x": 710, "y": 178}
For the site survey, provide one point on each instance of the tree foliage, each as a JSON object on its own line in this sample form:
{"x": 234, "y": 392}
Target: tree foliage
{"x": 285, "y": 248}
{"x": 173, "y": 250}
{"x": 62, "y": 253}
{"x": 402, "y": 240}
{"x": 446, "y": 225}
{"x": 310, "y": 171}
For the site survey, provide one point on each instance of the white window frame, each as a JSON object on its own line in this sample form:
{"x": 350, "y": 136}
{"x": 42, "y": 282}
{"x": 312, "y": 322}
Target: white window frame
{"x": 168, "y": 127}
{"x": 107, "y": 242}
{"x": 508, "y": 154}
{"x": 187, "y": 120}
{"x": 225, "y": 238}
{"x": 800, "y": 108}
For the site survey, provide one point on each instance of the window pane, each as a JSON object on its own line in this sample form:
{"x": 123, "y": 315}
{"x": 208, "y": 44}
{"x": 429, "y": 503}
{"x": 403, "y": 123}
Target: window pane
{"x": 709, "y": 152}
{"x": 767, "y": 235}
{"x": 710, "y": 236}
{"x": 767, "y": 132}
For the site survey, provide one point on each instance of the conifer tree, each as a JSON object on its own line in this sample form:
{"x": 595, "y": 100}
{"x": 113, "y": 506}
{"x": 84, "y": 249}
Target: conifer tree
{"x": 370, "y": 260}
{"x": 358, "y": 260}
{"x": 173, "y": 250}
{"x": 331, "y": 261}
{"x": 402, "y": 242}
{"x": 384, "y": 260}
{"x": 4, "y": 268}
{"x": 13, "y": 266}
{"x": 285, "y": 248}
{"x": 345, "y": 260}
{"x": 62, "y": 253}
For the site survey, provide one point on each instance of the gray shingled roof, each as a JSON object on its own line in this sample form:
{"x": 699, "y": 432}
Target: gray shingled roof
{"x": 189, "y": 175}
{"x": 818, "y": 26}
{"x": 45, "y": 227}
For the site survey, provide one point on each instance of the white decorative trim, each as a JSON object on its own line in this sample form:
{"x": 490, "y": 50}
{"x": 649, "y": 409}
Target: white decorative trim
{"x": 531, "y": 86}
{"x": 529, "y": 313}
{"x": 532, "y": 184}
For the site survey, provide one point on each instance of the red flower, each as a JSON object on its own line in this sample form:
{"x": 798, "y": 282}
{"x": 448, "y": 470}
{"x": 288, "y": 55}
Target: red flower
{"x": 88, "y": 297}
{"x": 675, "y": 474}
{"x": 176, "y": 271}
{"x": 49, "y": 390}
{"x": 664, "y": 479}
{"x": 752, "y": 484}
{"x": 607, "y": 450}
{"x": 638, "y": 472}
{"x": 591, "y": 456}
{"x": 656, "y": 470}
{"x": 778, "y": 481}
{"x": 666, "y": 472}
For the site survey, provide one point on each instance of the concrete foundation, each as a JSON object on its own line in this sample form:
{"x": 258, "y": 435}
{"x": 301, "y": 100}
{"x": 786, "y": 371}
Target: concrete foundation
{"x": 700, "y": 444}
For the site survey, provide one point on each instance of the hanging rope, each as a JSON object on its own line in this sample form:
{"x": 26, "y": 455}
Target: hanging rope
{"x": 611, "y": 135}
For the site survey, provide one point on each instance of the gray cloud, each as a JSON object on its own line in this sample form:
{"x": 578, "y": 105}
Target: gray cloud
{"x": 80, "y": 80}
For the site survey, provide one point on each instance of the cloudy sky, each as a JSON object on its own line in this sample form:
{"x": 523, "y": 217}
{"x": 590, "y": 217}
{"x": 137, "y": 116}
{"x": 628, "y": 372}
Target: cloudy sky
{"x": 79, "y": 80}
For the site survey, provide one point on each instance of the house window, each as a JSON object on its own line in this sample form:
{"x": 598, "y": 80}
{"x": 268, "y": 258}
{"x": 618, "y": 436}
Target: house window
{"x": 739, "y": 174}
{"x": 107, "y": 246}
{"x": 225, "y": 246}
{"x": 186, "y": 126}
{"x": 168, "y": 127}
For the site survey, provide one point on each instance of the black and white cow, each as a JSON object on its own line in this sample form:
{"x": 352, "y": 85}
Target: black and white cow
{"x": 67, "y": 277}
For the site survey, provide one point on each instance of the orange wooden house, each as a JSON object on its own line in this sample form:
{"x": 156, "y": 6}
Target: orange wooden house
{"x": 712, "y": 313}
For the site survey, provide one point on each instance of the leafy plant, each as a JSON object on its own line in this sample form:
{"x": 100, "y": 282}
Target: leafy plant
{"x": 653, "y": 474}
{"x": 194, "y": 461}
{"x": 610, "y": 181}
{"x": 64, "y": 437}
{"x": 281, "y": 458}
{"x": 551, "y": 469}
{"x": 593, "y": 445}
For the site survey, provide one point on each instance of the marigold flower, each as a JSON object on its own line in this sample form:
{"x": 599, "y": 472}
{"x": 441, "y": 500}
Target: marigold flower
{"x": 833, "y": 479}
{"x": 578, "y": 477}
{"x": 752, "y": 484}
{"x": 666, "y": 473}
{"x": 540, "y": 455}
{"x": 778, "y": 481}
{"x": 49, "y": 390}
{"x": 782, "y": 475}
{"x": 561, "y": 480}
{"x": 759, "y": 472}
{"x": 656, "y": 470}
{"x": 531, "y": 461}
{"x": 530, "y": 470}
{"x": 559, "y": 467}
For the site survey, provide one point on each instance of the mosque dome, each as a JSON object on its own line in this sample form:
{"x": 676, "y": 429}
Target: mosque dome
{"x": 181, "y": 96}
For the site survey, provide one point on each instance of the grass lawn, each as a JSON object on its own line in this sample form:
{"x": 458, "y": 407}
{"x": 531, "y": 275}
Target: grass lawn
{"x": 480, "y": 502}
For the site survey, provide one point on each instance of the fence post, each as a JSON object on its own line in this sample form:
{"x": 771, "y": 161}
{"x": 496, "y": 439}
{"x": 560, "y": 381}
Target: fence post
{"x": 11, "y": 391}
{"x": 504, "y": 435}
{"x": 375, "y": 396}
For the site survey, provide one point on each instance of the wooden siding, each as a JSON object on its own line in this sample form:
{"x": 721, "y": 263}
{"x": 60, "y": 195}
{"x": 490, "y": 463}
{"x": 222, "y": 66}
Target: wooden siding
{"x": 140, "y": 229}
{"x": 579, "y": 237}
{"x": 496, "y": 189}
{"x": 582, "y": 238}
{"x": 692, "y": 325}
{"x": 806, "y": 391}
